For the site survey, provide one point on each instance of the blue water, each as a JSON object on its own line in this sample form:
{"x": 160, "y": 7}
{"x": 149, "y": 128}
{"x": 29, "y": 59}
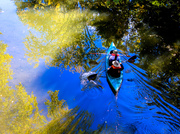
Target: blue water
{"x": 138, "y": 109}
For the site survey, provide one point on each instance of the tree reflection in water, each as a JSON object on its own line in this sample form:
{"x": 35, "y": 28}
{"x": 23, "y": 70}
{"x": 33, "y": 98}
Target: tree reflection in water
{"x": 64, "y": 40}
{"x": 150, "y": 29}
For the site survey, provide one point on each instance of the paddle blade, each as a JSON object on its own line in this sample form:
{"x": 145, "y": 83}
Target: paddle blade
{"x": 92, "y": 77}
{"x": 132, "y": 59}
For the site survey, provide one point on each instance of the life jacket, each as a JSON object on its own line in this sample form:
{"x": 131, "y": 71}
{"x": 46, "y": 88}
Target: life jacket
{"x": 115, "y": 67}
{"x": 114, "y": 54}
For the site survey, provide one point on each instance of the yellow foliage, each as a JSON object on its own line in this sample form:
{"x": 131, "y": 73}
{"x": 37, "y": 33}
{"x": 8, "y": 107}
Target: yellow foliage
{"x": 56, "y": 108}
{"x": 138, "y": 41}
{"x": 18, "y": 110}
{"x": 5, "y": 72}
{"x": 58, "y": 6}
{"x": 49, "y": 2}
{"x": 57, "y": 30}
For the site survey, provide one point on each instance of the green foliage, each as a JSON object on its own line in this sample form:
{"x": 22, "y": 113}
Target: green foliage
{"x": 163, "y": 3}
{"x": 39, "y": 4}
{"x": 163, "y": 19}
{"x": 114, "y": 25}
{"x": 77, "y": 55}
{"x": 160, "y": 18}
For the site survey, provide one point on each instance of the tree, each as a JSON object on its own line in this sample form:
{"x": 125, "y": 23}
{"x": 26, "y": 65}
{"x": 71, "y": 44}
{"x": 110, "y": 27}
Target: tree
{"x": 66, "y": 120}
{"x": 64, "y": 37}
{"x": 19, "y": 112}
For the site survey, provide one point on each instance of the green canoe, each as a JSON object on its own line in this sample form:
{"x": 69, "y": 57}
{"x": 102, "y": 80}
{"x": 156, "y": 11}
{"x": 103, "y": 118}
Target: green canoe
{"x": 114, "y": 83}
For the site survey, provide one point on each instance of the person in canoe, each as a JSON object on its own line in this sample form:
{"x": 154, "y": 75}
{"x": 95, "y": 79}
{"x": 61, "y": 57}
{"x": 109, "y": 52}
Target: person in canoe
{"x": 115, "y": 69}
{"x": 90, "y": 80}
{"x": 114, "y": 56}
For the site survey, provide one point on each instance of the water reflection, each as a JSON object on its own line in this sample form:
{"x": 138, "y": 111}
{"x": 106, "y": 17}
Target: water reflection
{"x": 66, "y": 120}
{"x": 158, "y": 47}
{"x": 62, "y": 5}
{"x": 64, "y": 39}
{"x": 20, "y": 110}
{"x": 155, "y": 100}
{"x": 114, "y": 25}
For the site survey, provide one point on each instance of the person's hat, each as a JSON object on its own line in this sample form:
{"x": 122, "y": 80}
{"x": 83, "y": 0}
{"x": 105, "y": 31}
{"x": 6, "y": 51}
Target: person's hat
{"x": 115, "y": 52}
{"x": 116, "y": 63}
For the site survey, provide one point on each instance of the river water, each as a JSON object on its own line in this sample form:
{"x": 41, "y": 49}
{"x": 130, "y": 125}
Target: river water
{"x": 139, "y": 107}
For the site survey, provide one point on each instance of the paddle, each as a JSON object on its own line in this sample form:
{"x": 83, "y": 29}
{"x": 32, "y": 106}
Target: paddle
{"x": 132, "y": 59}
{"x": 110, "y": 54}
{"x": 94, "y": 75}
